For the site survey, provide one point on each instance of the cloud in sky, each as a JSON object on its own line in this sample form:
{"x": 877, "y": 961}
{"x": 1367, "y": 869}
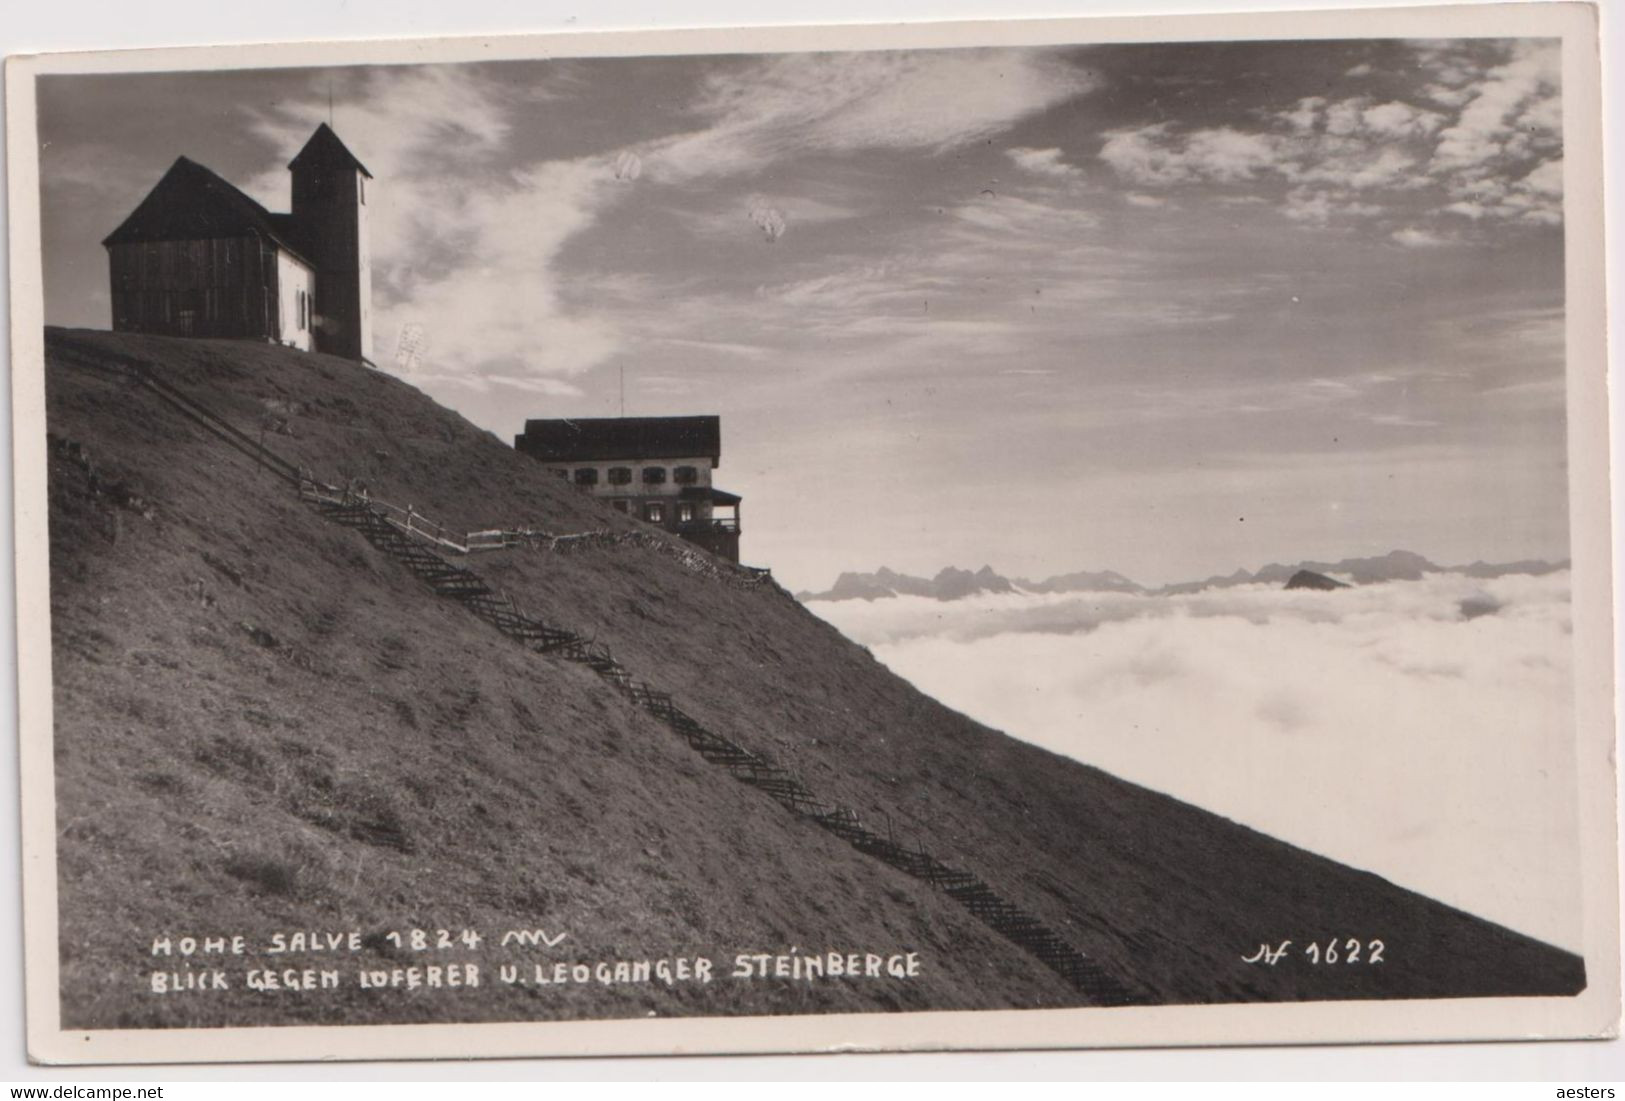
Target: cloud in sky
{"x": 1507, "y": 115}
{"x": 1155, "y": 154}
{"x": 1318, "y": 206}
{"x": 1012, "y": 214}
{"x": 1043, "y": 162}
{"x": 741, "y": 219}
{"x": 464, "y": 240}
{"x": 755, "y": 114}
{"x": 1411, "y": 237}
{"x": 1378, "y": 725}
{"x": 468, "y": 239}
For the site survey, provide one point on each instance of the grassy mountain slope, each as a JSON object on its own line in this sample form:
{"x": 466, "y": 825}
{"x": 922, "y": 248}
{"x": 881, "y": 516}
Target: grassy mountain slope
{"x": 264, "y": 724}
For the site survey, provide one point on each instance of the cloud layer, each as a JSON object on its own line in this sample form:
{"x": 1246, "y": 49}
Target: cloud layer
{"x": 1396, "y": 727}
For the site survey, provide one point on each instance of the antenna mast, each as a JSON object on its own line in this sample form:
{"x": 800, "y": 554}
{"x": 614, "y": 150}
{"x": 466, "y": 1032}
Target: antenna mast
{"x": 623, "y": 391}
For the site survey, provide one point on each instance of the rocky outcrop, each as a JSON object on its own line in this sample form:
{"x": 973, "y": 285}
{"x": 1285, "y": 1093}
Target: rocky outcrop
{"x": 1309, "y": 579}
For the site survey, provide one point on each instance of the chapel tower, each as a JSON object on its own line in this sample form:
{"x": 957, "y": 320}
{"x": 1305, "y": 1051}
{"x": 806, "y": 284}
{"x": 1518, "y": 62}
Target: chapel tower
{"x": 330, "y": 210}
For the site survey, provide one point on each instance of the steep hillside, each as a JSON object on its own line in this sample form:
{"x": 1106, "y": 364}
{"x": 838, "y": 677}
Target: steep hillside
{"x": 266, "y": 723}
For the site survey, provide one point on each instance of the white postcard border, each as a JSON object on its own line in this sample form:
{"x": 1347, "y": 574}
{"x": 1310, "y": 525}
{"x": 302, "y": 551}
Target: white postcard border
{"x": 1594, "y": 1013}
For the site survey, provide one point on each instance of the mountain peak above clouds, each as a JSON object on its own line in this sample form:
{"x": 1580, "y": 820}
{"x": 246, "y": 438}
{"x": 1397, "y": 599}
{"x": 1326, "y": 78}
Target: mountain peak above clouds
{"x": 1309, "y": 579}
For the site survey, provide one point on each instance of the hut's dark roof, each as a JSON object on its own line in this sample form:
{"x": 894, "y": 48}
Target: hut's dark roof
{"x": 192, "y": 203}
{"x": 596, "y": 439}
{"x": 324, "y": 147}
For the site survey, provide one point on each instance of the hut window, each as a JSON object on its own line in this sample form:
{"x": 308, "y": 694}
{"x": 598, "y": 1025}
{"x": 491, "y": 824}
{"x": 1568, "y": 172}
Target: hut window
{"x": 654, "y": 475}
{"x": 587, "y": 476}
{"x": 620, "y": 475}
{"x": 654, "y": 513}
{"x": 685, "y": 513}
{"x": 685, "y": 475}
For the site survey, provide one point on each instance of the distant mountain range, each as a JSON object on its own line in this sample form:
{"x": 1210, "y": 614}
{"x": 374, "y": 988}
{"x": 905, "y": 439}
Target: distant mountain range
{"x": 1396, "y": 565}
{"x": 953, "y": 584}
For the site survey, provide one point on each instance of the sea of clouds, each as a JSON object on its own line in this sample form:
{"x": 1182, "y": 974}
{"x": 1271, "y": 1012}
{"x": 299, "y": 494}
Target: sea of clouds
{"x": 1420, "y": 730}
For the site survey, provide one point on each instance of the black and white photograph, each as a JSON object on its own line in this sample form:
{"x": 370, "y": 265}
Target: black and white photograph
{"x": 979, "y": 536}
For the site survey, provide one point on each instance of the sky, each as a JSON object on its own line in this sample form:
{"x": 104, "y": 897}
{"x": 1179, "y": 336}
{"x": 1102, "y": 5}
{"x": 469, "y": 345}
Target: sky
{"x": 1165, "y": 309}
